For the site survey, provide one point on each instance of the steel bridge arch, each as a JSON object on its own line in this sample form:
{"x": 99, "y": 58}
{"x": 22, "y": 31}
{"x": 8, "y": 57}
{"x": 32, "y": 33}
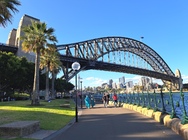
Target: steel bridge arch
{"x": 96, "y": 48}
{"x": 154, "y": 63}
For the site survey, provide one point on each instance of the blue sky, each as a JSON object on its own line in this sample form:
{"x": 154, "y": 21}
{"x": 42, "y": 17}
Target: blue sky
{"x": 162, "y": 23}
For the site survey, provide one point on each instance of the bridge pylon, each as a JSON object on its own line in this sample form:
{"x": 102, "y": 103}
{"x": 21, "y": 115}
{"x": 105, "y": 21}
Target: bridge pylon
{"x": 179, "y": 83}
{"x": 175, "y": 84}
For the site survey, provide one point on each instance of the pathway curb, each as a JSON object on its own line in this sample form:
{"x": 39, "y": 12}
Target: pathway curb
{"x": 174, "y": 123}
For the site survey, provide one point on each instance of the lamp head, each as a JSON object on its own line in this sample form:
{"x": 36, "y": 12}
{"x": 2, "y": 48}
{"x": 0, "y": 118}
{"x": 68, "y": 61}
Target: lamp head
{"x": 75, "y": 66}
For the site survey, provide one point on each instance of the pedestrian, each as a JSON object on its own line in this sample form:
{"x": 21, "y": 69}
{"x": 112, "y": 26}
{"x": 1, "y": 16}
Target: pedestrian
{"x": 108, "y": 96}
{"x": 87, "y": 101}
{"x": 92, "y": 101}
{"x": 115, "y": 98}
{"x": 105, "y": 99}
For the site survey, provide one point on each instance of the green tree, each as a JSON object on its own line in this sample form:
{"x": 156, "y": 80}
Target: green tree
{"x": 63, "y": 85}
{"x": 8, "y": 66}
{"x": 55, "y": 68}
{"x": 36, "y": 37}
{"x": 6, "y": 7}
{"x": 15, "y": 73}
{"x": 49, "y": 61}
{"x": 29, "y": 75}
{"x": 67, "y": 86}
{"x": 54, "y": 73}
{"x": 59, "y": 85}
{"x": 22, "y": 73}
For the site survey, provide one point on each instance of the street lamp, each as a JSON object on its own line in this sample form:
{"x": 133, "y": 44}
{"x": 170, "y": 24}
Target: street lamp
{"x": 141, "y": 38}
{"x": 75, "y": 67}
{"x": 81, "y": 93}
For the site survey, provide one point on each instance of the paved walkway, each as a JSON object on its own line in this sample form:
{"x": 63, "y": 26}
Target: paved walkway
{"x": 111, "y": 123}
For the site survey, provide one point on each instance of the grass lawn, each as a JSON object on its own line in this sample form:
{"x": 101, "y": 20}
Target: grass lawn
{"x": 50, "y": 115}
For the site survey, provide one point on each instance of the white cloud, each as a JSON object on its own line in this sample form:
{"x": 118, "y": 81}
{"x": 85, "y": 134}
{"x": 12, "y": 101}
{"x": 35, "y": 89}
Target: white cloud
{"x": 90, "y": 78}
{"x": 135, "y": 79}
{"x": 94, "y": 81}
{"x": 159, "y": 81}
{"x": 185, "y": 78}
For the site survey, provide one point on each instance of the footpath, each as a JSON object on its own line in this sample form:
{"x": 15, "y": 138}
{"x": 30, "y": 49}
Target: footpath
{"x": 112, "y": 123}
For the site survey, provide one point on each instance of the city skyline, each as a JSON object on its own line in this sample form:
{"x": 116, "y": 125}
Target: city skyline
{"x": 137, "y": 81}
{"x": 163, "y": 24}
{"x": 95, "y": 81}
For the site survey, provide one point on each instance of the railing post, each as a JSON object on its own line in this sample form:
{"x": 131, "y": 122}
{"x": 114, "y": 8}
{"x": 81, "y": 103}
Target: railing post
{"x": 149, "y": 106}
{"x": 131, "y": 98}
{"x": 163, "y": 107}
{"x": 134, "y": 99}
{"x": 155, "y": 108}
{"x": 184, "y": 118}
{"x": 143, "y": 99}
{"x": 126, "y": 101}
{"x": 173, "y": 114}
{"x": 138, "y": 98}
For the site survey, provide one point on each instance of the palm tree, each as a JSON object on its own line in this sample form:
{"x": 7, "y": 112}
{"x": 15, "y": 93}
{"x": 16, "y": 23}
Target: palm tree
{"x": 50, "y": 62}
{"x": 55, "y": 68}
{"x": 54, "y": 72}
{"x": 6, "y": 6}
{"x": 36, "y": 37}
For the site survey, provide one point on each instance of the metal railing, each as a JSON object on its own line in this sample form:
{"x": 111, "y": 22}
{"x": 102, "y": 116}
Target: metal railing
{"x": 174, "y": 104}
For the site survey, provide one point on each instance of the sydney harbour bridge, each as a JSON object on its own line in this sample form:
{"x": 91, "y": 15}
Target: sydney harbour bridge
{"x": 116, "y": 54}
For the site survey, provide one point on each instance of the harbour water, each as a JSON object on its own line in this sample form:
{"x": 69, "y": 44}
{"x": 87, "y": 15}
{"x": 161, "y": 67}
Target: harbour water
{"x": 175, "y": 104}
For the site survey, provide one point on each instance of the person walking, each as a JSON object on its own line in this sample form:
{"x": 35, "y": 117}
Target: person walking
{"x": 92, "y": 101}
{"x": 87, "y": 101}
{"x": 105, "y": 99}
{"x": 115, "y": 98}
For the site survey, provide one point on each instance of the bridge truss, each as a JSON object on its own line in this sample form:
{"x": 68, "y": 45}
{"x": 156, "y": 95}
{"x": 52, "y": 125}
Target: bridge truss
{"x": 119, "y": 54}
{"x": 8, "y": 48}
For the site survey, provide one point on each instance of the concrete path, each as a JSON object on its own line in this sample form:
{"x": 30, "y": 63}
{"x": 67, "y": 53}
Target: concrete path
{"x": 111, "y": 123}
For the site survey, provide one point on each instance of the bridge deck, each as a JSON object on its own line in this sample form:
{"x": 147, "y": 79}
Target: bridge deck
{"x": 8, "y": 48}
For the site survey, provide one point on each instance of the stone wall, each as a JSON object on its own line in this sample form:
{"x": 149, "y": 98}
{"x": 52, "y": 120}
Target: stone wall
{"x": 172, "y": 123}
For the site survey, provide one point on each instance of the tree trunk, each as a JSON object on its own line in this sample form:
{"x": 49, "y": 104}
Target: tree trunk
{"x": 35, "y": 96}
{"x": 53, "y": 81}
{"x": 47, "y": 84}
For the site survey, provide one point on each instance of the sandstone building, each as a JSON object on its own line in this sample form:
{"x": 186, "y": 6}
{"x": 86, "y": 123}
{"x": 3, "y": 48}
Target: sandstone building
{"x": 14, "y": 37}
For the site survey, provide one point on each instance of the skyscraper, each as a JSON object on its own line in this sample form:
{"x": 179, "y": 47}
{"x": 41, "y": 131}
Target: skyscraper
{"x": 110, "y": 83}
{"x": 122, "y": 80}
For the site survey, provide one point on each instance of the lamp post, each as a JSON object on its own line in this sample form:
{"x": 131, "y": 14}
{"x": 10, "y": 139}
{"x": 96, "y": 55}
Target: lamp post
{"x": 81, "y": 93}
{"x": 75, "y": 67}
{"x": 79, "y": 89}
